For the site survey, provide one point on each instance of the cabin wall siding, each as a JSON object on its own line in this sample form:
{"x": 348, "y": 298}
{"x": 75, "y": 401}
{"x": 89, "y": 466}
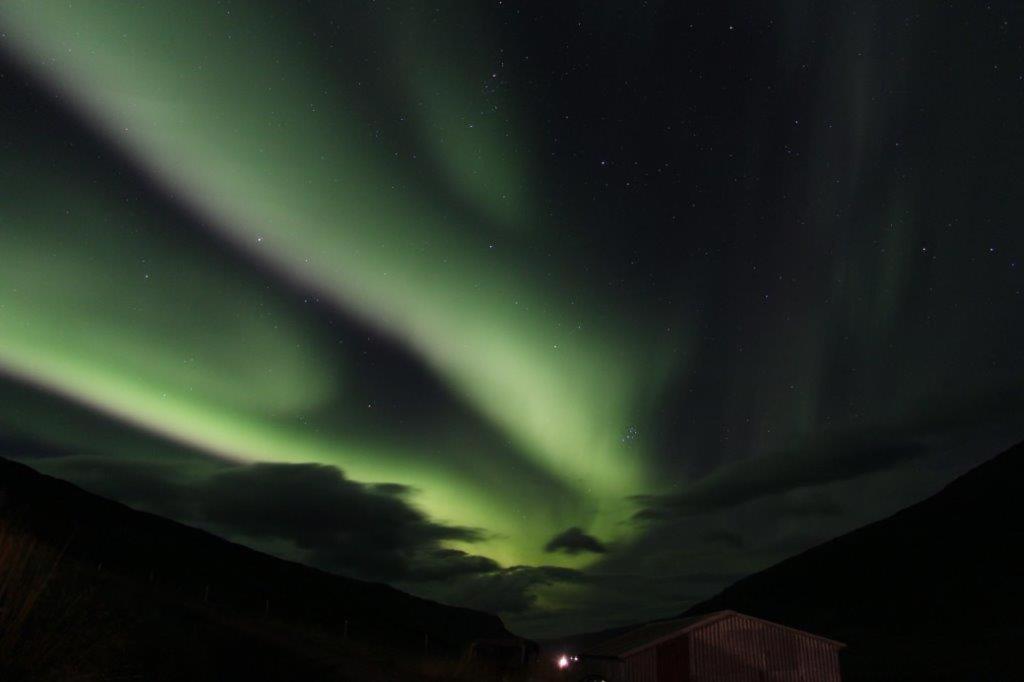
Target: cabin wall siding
{"x": 642, "y": 666}
{"x": 726, "y": 647}
{"x": 742, "y": 649}
{"x": 674, "y": 659}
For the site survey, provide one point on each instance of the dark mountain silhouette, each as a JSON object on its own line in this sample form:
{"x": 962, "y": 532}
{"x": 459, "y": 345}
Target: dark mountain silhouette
{"x": 933, "y": 592}
{"x": 90, "y": 587}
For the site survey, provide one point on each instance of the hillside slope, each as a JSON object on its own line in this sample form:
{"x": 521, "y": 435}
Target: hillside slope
{"x": 90, "y": 586}
{"x": 933, "y": 592}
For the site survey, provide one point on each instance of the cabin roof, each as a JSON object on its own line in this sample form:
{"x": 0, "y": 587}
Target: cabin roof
{"x": 655, "y": 633}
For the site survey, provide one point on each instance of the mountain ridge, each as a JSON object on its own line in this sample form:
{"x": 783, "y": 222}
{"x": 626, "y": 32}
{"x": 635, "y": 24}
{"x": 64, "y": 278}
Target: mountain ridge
{"x": 140, "y": 572}
{"x": 930, "y": 592}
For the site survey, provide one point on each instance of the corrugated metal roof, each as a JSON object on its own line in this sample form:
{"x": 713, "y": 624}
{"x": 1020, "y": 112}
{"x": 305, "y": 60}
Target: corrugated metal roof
{"x": 651, "y": 634}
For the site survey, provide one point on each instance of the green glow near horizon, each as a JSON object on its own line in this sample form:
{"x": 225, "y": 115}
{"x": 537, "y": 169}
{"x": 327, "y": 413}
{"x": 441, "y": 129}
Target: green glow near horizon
{"x": 234, "y": 114}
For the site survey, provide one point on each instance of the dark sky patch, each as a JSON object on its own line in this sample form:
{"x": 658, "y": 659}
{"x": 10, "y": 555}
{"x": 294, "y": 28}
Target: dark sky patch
{"x": 739, "y": 483}
{"x": 575, "y": 541}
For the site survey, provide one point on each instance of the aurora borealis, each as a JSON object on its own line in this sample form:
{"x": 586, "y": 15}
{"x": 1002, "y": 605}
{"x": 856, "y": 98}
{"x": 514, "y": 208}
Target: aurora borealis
{"x": 510, "y": 305}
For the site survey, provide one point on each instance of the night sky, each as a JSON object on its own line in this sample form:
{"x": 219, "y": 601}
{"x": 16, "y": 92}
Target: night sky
{"x": 575, "y": 312}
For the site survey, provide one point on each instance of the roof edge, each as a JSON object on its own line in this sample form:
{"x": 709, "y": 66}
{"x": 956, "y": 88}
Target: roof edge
{"x": 805, "y": 633}
{"x": 706, "y": 619}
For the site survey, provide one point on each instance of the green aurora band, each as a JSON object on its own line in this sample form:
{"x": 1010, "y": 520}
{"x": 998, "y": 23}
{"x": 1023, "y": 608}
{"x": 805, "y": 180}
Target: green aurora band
{"x": 239, "y": 116}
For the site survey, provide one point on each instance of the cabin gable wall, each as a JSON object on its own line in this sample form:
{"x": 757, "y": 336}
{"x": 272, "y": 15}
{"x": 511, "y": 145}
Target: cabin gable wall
{"x": 643, "y": 666}
{"x": 673, "y": 659}
{"x": 740, "y": 649}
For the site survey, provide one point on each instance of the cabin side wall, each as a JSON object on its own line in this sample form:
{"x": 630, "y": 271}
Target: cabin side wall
{"x": 642, "y": 666}
{"x": 741, "y": 649}
{"x": 674, "y": 659}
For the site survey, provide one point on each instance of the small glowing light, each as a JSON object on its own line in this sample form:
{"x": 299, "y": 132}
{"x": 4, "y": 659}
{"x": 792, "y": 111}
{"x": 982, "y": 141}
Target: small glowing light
{"x": 563, "y": 662}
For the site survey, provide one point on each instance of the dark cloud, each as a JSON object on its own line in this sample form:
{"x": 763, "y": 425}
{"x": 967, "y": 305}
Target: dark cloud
{"x": 707, "y": 577}
{"x": 723, "y": 538}
{"x": 19, "y": 447}
{"x": 600, "y": 599}
{"x": 508, "y": 590}
{"x": 742, "y": 482}
{"x": 575, "y": 541}
{"x": 307, "y": 512}
{"x": 446, "y": 564}
{"x": 396, "y": 489}
{"x": 837, "y": 457}
{"x": 355, "y": 528}
{"x": 810, "y": 504}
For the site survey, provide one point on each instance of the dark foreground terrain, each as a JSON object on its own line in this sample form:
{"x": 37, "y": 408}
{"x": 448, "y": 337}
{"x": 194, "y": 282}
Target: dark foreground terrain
{"x": 91, "y": 589}
{"x": 933, "y": 592}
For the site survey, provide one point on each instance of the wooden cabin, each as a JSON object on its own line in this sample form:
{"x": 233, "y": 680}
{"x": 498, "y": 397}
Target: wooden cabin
{"x": 724, "y": 646}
